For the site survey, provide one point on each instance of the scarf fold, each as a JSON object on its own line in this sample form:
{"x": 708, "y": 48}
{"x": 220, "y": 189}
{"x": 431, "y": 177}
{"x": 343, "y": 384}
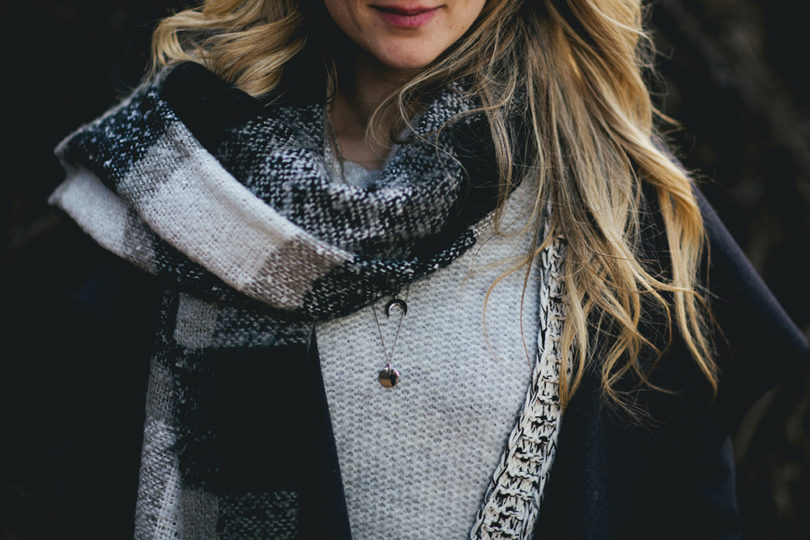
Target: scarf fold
{"x": 229, "y": 202}
{"x": 307, "y": 246}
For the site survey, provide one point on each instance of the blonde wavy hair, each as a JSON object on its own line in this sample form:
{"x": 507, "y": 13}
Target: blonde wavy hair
{"x": 572, "y": 69}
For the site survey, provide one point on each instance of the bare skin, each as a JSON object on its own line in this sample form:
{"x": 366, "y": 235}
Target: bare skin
{"x": 353, "y": 106}
{"x": 395, "y": 39}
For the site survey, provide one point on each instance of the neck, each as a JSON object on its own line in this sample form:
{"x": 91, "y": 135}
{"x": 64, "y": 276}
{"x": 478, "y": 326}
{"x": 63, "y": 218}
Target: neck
{"x": 356, "y": 98}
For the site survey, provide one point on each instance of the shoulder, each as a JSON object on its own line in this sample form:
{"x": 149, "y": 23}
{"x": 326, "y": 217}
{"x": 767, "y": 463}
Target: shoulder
{"x": 78, "y": 340}
{"x": 60, "y": 267}
{"x": 757, "y": 344}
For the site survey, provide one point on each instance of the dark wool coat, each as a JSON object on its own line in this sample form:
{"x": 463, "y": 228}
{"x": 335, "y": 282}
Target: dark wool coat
{"x": 676, "y": 479}
{"x": 671, "y": 477}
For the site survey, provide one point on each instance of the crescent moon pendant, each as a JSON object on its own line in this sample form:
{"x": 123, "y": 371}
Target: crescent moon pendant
{"x": 400, "y": 303}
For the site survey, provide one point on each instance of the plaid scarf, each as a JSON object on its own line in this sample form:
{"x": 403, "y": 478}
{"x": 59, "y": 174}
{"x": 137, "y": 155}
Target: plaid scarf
{"x": 229, "y": 203}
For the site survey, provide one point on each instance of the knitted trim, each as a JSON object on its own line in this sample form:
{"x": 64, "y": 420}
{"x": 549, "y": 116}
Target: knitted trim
{"x": 512, "y": 501}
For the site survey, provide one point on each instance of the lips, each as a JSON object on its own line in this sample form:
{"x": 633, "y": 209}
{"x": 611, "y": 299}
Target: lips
{"x": 406, "y": 17}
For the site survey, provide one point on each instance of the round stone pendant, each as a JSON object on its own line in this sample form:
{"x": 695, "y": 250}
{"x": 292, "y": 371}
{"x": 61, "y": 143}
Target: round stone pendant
{"x": 389, "y": 377}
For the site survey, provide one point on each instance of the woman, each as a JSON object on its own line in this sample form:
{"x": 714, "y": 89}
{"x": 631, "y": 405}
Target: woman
{"x": 397, "y": 243}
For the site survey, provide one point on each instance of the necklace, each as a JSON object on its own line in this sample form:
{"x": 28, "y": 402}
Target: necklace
{"x": 389, "y": 376}
{"x": 336, "y": 146}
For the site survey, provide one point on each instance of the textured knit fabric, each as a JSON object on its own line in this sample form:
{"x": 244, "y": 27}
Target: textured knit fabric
{"x": 236, "y": 214}
{"x": 669, "y": 478}
{"x": 611, "y": 480}
{"x": 512, "y": 501}
{"x": 261, "y": 185}
{"x": 466, "y": 390}
{"x": 459, "y": 398}
{"x": 347, "y": 172}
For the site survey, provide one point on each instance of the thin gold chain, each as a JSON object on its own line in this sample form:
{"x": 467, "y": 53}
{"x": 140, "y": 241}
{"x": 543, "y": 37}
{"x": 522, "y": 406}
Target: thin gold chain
{"x": 336, "y": 146}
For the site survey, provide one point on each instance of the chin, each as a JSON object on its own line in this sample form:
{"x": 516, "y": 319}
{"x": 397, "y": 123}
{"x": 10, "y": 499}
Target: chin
{"x": 406, "y": 62}
{"x": 406, "y": 66}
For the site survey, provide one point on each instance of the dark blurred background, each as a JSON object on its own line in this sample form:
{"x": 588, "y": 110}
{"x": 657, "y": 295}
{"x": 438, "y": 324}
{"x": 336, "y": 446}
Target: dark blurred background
{"x": 733, "y": 72}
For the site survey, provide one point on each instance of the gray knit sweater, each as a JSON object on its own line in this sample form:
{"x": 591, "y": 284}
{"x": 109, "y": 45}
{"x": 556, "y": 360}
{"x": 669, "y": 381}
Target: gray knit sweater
{"x": 462, "y": 389}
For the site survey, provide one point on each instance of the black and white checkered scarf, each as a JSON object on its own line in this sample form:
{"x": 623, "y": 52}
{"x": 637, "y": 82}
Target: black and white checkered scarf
{"x": 250, "y": 209}
{"x": 229, "y": 203}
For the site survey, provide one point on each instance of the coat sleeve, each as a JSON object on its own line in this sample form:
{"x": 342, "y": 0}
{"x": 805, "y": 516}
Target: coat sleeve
{"x": 78, "y": 345}
{"x": 758, "y": 346}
